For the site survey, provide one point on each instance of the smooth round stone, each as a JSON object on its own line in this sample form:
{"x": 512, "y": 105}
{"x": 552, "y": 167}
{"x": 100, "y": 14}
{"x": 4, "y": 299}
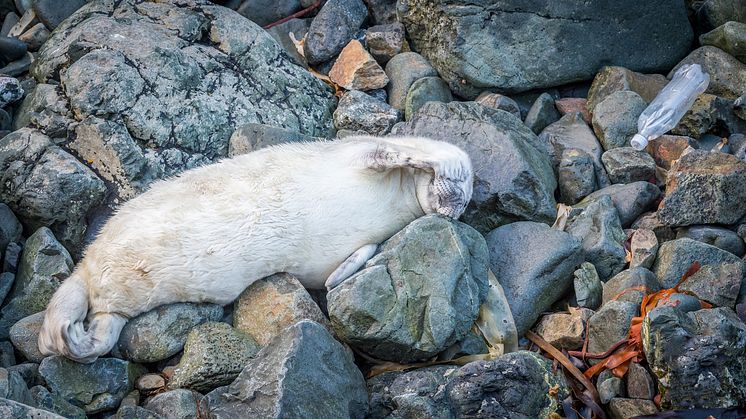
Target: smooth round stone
{"x": 403, "y": 70}
{"x": 426, "y": 89}
{"x": 11, "y": 49}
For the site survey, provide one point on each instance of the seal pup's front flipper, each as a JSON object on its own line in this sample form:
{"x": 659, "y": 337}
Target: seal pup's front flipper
{"x": 351, "y": 265}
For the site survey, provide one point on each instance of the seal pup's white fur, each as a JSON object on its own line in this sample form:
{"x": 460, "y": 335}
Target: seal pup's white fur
{"x": 314, "y": 210}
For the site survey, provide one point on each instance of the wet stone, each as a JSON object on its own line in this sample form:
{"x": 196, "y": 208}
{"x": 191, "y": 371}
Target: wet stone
{"x": 332, "y": 28}
{"x": 630, "y": 200}
{"x": 723, "y": 238}
{"x": 640, "y": 384}
{"x": 610, "y": 388}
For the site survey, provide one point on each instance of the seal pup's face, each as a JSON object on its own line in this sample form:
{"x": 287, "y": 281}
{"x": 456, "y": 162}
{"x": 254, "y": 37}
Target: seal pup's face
{"x": 446, "y": 193}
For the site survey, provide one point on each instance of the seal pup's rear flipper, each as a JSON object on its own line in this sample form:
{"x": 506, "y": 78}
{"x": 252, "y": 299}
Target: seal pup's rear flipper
{"x": 351, "y": 265}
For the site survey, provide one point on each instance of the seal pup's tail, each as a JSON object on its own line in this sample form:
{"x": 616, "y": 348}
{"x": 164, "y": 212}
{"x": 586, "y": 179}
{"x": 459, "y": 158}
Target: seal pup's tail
{"x": 64, "y": 332}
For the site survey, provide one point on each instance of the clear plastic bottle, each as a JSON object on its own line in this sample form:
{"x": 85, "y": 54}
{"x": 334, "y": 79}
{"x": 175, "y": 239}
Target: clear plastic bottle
{"x": 666, "y": 110}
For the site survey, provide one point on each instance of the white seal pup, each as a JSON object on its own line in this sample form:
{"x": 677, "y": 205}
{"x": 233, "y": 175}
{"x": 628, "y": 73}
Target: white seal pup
{"x": 314, "y": 210}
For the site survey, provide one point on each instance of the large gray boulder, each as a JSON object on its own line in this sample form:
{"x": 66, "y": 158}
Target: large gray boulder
{"x": 158, "y": 87}
{"x": 420, "y": 294}
{"x": 535, "y": 265}
{"x": 46, "y": 186}
{"x": 513, "y": 178}
{"x": 303, "y": 373}
{"x": 505, "y": 46}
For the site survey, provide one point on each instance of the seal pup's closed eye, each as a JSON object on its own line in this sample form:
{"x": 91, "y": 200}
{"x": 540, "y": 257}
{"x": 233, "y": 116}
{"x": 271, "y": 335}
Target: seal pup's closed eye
{"x": 314, "y": 210}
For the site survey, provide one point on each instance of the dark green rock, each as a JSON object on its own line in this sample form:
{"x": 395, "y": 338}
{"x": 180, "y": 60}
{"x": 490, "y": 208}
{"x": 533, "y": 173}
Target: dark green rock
{"x": 332, "y": 28}
{"x": 414, "y": 393}
{"x": 600, "y": 232}
{"x": 541, "y": 113}
{"x": 54, "y": 403}
{"x": 420, "y": 294}
{"x": 44, "y": 265}
{"x": 46, "y": 186}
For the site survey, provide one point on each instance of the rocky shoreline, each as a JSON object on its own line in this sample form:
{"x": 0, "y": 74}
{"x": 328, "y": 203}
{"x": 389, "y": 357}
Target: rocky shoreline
{"x": 626, "y": 265}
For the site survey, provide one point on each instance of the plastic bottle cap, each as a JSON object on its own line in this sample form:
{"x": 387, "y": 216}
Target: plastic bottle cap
{"x": 639, "y": 142}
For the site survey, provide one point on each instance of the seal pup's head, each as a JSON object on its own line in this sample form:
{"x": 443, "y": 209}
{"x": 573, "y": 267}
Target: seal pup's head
{"x": 448, "y": 188}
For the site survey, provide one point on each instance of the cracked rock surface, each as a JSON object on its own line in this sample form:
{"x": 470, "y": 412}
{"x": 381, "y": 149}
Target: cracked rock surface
{"x": 150, "y": 88}
{"x": 483, "y": 45}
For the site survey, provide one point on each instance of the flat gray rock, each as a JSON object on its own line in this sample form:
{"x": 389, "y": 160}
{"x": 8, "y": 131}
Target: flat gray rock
{"x": 505, "y": 46}
{"x": 168, "y": 82}
{"x": 630, "y": 200}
